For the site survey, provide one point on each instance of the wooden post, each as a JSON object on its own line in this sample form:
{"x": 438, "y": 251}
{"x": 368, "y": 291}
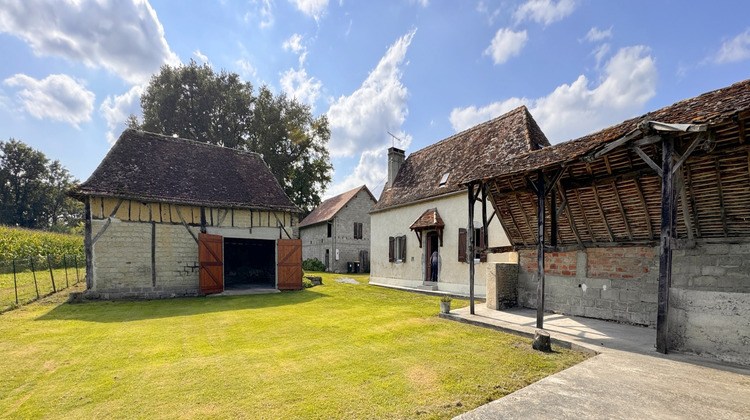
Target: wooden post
{"x": 540, "y": 252}
{"x": 65, "y": 266}
{"x": 470, "y": 254}
{"x": 665, "y": 250}
{"x": 486, "y": 235}
{"x": 51, "y": 276}
{"x": 15, "y": 281}
{"x": 33, "y": 273}
{"x": 553, "y": 217}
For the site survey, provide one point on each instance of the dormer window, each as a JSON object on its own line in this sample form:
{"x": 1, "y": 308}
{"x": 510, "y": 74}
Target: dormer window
{"x": 444, "y": 179}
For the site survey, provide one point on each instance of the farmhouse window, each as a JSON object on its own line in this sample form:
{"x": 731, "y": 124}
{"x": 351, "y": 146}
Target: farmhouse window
{"x": 330, "y": 228}
{"x": 478, "y": 245}
{"x": 397, "y": 249}
{"x": 358, "y": 230}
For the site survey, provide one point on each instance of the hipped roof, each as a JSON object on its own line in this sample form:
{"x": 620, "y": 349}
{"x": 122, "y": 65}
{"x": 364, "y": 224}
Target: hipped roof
{"x": 328, "y": 209}
{"x": 510, "y": 134}
{"x": 152, "y": 167}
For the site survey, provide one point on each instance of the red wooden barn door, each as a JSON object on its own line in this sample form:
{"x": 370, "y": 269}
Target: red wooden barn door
{"x": 289, "y": 264}
{"x": 210, "y": 257}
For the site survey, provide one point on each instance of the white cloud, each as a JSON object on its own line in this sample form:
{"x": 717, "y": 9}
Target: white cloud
{"x": 627, "y": 83}
{"x": 294, "y": 44}
{"x": 124, "y": 37}
{"x": 58, "y": 97}
{"x": 370, "y": 170}
{"x": 423, "y": 3}
{"x": 200, "y": 56}
{"x": 264, "y": 11}
{"x": 312, "y": 8}
{"x": 361, "y": 120}
{"x": 595, "y": 34}
{"x": 116, "y": 110}
{"x": 491, "y": 15}
{"x": 600, "y": 52}
{"x": 544, "y": 11}
{"x": 506, "y": 44}
{"x": 736, "y": 49}
{"x": 246, "y": 68}
{"x": 296, "y": 84}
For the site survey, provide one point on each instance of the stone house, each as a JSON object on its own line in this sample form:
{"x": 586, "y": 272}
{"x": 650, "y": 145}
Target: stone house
{"x": 646, "y": 222}
{"x": 423, "y": 208}
{"x": 337, "y": 232}
{"x": 173, "y": 217}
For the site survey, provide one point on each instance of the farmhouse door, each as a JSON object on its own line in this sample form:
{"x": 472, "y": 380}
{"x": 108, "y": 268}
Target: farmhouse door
{"x": 289, "y": 264}
{"x": 210, "y": 257}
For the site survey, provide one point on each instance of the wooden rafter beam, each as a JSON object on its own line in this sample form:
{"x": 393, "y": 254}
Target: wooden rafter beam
{"x": 696, "y": 219}
{"x": 689, "y": 150}
{"x": 647, "y": 159}
{"x": 571, "y": 221}
{"x": 599, "y": 206}
{"x": 645, "y": 207}
{"x": 619, "y": 202}
{"x": 585, "y": 218}
{"x": 721, "y": 198}
{"x": 525, "y": 217}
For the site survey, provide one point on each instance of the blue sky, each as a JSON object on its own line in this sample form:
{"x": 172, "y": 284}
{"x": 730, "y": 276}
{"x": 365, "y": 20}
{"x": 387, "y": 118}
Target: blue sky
{"x": 420, "y": 69}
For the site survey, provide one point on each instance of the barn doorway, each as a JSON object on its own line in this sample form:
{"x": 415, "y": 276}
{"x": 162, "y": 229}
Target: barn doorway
{"x": 249, "y": 263}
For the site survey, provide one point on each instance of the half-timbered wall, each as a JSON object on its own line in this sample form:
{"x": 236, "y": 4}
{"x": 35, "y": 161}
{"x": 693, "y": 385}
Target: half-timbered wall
{"x": 149, "y": 250}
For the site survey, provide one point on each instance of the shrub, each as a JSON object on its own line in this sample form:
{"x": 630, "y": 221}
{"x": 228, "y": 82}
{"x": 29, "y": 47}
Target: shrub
{"x": 313, "y": 264}
{"x": 306, "y": 283}
{"x": 445, "y": 299}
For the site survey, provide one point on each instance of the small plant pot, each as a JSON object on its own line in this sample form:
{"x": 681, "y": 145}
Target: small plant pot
{"x": 445, "y": 307}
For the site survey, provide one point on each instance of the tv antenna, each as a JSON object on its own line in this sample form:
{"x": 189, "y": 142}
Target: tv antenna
{"x": 393, "y": 141}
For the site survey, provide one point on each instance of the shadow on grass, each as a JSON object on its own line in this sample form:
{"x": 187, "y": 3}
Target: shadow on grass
{"x": 137, "y": 310}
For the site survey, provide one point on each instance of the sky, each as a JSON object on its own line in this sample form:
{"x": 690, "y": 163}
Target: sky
{"x": 403, "y": 73}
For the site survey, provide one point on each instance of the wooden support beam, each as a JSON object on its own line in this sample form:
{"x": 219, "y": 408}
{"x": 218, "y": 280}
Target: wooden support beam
{"x": 645, "y": 208}
{"x": 107, "y": 223}
{"x": 571, "y": 221}
{"x": 694, "y": 212}
{"x": 585, "y": 218}
{"x": 648, "y": 160}
{"x": 601, "y": 209}
{"x": 485, "y": 231}
{"x": 682, "y": 194}
{"x": 553, "y": 217}
{"x": 619, "y": 202}
{"x": 470, "y": 239}
{"x": 665, "y": 249}
{"x": 721, "y": 198}
{"x": 182, "y": 220}
{"x": 647, "y": 141}
{"x": 611, "y": 146}
{"x": 540, "y": 253}
{"x": 515, "y": 224}
{"x": 525, "y": 217}
{"x": 690, "y": 149}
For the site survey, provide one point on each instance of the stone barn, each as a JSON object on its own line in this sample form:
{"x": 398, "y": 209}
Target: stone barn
{"x": 646, "y": 222}
{"x": 171, "y": 217}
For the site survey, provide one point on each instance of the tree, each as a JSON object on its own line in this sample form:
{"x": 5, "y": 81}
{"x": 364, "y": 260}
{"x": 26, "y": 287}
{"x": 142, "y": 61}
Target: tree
{"x": 33, "y": 189}
{"x": 197, "y": 103}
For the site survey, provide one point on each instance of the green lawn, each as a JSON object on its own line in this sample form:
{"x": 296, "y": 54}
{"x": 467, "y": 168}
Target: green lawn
{"x": 24, "y": 282}
{"x": 332, "y": 351}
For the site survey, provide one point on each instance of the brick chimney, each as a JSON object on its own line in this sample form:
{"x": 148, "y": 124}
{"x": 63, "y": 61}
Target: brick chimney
{"x": 396, "y": 158}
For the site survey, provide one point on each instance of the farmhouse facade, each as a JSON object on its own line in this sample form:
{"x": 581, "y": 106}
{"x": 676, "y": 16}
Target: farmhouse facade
{"x": 423, "y": 210}
{"x": 337, "y": 232}
{"x": 646, "y": 222}
{"x": 173, "y": 217}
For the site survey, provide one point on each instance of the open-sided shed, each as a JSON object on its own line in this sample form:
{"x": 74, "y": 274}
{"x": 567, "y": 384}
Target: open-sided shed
{"x": 174, "y": 217}
{"x": 645, "y": 222}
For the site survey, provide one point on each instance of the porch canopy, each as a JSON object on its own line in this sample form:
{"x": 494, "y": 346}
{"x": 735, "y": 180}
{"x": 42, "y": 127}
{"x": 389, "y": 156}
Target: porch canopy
{"x": 429, "y": 220}
{"x": 674, "y": 177}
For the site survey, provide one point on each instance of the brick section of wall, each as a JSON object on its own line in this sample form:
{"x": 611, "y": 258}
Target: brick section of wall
{"x": 619, "y": 263}
{"x": 555, "y": 263}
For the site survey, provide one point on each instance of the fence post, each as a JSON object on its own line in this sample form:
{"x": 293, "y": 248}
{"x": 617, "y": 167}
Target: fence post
{"x": 15, "y": 282}
{"x": 75, "y": 261}
{"x": 65, "y": 265}
{"x": 51, "y": 276}
{"x": 33, "y": 273}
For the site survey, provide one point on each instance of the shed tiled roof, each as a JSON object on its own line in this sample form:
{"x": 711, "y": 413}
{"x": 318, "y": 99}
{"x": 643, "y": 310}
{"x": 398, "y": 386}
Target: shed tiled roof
{"x": 708, "y": 108}
{"x": 509, "y": 135}
{"x": 327, "y": 209}
{"x": 429, "y": 219}
{"x": 152, "y": 167}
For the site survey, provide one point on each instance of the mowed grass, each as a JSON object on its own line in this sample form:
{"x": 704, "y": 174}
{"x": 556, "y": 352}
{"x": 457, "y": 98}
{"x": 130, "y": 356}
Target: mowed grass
{"x": 23, "y": 284}
{"x": 333, "y": 351}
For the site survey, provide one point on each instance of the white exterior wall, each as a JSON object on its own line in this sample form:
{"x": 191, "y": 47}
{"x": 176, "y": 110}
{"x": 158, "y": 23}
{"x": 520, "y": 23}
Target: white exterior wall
{"x": 453, "y": 276}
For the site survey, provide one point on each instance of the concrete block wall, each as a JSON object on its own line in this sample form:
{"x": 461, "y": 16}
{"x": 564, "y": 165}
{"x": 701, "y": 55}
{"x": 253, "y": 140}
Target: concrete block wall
{"x": 608, "y": 283}
{"x": 502, "y": 285}
{"x": 716, "y": 267}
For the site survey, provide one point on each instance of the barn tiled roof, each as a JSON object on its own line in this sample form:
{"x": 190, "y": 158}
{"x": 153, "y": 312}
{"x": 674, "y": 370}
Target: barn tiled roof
{"x": 327, "y": 209}
{"x": 152, "y": 167}
{"x": 708, "y": 108}
{"x": 429, "y": 219}
{"x": 419, "y": 177}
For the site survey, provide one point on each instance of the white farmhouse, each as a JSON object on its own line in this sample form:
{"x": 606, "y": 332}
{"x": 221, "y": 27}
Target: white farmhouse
{"x": 423, "y": 209}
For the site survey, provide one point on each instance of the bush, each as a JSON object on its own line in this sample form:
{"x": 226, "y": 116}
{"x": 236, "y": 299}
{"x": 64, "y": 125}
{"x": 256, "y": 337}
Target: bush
{"x": 445, "y": 299}
{"x": 313, "y": 264}
{"x": 306, "y": 283}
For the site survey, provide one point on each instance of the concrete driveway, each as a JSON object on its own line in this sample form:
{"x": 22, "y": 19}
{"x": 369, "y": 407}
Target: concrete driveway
{"x": 628, "y": 379}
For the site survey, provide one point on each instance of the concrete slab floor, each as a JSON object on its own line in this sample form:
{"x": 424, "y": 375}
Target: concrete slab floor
{"x": 628, "y": 379}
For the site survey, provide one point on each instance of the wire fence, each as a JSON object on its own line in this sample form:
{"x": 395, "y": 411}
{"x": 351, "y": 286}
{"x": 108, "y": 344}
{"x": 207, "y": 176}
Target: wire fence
{"x": 24, "y": 280}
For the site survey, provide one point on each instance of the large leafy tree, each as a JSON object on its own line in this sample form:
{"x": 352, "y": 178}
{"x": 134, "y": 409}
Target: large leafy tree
{"x": 32, "y": 190}
{"x": 194, "y": 102}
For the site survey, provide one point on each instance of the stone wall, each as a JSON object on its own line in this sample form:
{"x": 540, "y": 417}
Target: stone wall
{"x": 122, "y": 263}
